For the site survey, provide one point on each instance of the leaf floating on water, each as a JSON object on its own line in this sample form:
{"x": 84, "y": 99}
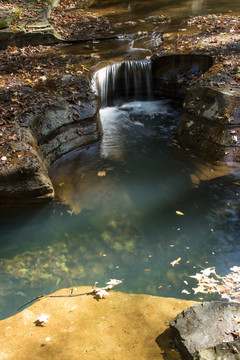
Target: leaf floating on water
{"x": 179, "y": 213}
{"x": 114, "y": 282}
{"x": 184, "y": 291}
{"x": 176, "y": 262}
{"x": 227, "y": 286}
{"x": 101, "y": 173}
{"x": 209, "y": 271}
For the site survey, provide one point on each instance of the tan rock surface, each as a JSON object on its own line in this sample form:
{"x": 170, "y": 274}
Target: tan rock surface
{"x": 121, "y": 326}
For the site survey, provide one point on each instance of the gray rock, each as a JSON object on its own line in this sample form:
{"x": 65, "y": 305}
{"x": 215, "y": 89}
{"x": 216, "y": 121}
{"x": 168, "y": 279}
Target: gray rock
{"x": 172, "y": 74}
{"x": 225, "y": 351}
{"x": 207, "y": 326}
{"x": 210, "y": 123}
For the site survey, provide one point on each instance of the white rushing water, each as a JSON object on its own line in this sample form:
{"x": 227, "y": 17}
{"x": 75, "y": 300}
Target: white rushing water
{"x": 128, "y": 80}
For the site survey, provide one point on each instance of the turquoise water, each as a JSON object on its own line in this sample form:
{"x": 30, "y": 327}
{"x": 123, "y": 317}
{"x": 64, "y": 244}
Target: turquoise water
{"x": 116, "y": 216}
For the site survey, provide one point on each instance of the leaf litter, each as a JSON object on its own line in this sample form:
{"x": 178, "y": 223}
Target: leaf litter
{"x": 228, "y": 286}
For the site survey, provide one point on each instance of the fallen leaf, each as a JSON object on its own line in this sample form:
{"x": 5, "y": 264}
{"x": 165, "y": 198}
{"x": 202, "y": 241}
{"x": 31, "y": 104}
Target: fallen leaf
{"x": 101, "y": 293}
{"x": 176, "y": 262}
{"x": 179, "y": 212}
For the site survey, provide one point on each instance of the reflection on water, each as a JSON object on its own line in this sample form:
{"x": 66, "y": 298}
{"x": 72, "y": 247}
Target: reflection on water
{"x": 133, "y": 9}
{"x": 118, "y": 218}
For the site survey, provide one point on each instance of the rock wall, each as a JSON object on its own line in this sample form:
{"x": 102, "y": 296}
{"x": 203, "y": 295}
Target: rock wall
{"x": 210, "y": 123}
{"x": 172, "y": 74}
{"x": 58, "y": 132}
{"x": 26, "y": 181}
{"x": 58, "y": 127}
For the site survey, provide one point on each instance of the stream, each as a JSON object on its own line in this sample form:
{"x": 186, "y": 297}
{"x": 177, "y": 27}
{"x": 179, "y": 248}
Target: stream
{"x": 129, "y": 206}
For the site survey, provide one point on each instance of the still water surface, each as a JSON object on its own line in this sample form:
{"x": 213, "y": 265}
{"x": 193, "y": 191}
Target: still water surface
{"x": 118, "y": 216}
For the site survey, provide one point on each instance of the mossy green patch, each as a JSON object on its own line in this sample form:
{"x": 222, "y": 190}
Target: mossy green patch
{"x": 4, "y": 24}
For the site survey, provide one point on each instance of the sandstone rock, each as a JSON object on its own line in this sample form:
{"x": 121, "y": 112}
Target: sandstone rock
{"x": 120, "y": 326}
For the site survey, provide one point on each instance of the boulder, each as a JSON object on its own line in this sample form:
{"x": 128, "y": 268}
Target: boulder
{"x": 207, "y": 325}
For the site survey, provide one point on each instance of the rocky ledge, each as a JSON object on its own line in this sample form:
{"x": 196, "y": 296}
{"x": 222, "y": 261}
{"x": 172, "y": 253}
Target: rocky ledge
{"x": 26, "y": 25}
{"x": 43, "y": 118}
{"x": 211, "y": 117}
{"x": 119, "y": 326}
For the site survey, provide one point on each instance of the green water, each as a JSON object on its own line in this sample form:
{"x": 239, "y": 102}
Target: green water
{"x": 124, "y": 224}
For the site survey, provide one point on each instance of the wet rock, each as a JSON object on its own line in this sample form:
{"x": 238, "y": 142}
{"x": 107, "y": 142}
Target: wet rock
{"x": 51, "y": 131}
{"x": 209, "y": 326}
{"x": 210, "y": 123}
{"x": 25, "y": 180}
{"x": 172, "y": 74}
{"x": 64, "y": 127}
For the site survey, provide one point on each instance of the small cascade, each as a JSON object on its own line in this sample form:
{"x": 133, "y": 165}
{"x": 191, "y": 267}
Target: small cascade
{"x": 125, "y": 81}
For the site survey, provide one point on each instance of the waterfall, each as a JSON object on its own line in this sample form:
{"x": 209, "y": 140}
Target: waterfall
{"x": 128, "y": 80}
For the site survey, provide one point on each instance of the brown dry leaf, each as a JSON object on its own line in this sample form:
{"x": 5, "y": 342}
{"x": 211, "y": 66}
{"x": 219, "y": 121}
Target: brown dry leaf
{"x": 235, "y": 350}
{"x": 101, "y": 173}
{"x": 39, "y": 323}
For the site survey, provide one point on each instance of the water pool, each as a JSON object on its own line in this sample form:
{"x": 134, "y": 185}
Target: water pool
{"x": 116, "y": 216}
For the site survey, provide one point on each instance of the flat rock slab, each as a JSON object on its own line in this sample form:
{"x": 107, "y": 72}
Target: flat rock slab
{"x": 211, "y": 325}
{"x": 121, "y": 326}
